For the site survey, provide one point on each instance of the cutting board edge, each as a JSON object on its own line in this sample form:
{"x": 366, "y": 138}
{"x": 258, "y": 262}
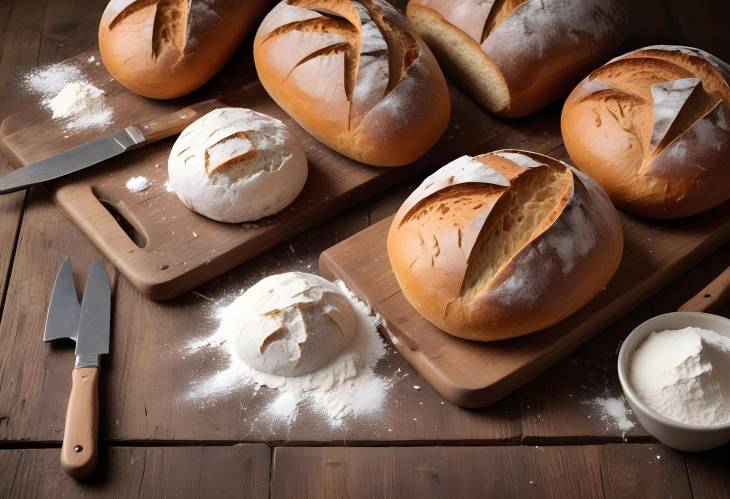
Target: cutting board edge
{"x": 485, "y": 395}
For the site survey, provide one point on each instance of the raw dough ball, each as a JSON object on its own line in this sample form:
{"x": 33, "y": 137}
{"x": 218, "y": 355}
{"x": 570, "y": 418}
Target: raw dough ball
{"x": 290, "y": 324}
{"x": 237, "y": 165}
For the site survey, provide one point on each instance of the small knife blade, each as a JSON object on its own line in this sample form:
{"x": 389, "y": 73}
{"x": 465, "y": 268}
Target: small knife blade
{"x": 92, "y": 339}
{"x": 73, "y": 160}
{"x": 64, "y": 309}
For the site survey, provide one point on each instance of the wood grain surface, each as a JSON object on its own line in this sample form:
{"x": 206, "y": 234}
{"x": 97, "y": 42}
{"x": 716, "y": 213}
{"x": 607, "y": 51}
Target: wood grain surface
{"x": 655, "y": 253}
{"x": 145, "y": 378}
{"x": 162, "y": 247}
{"x": 240, "y": 471}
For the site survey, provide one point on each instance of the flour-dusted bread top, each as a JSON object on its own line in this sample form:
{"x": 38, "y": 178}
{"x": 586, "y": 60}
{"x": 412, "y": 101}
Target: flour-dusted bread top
{"x": 503, "y": 244}
{"x": 290, "y": 324}
{"x": 516, "y": 56}
{"x": 355, "y": 76}
{"x": 237, "y": 165}
{"x": 168, "y": 48}
{"x": 653, "y": 128}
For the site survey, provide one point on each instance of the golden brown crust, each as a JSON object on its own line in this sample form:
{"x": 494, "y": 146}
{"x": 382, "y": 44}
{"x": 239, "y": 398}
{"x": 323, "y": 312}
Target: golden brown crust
{"x": 168, "y": 48}
{"x": 538, "y": 47}
{"x": 481, "y": 263}
{"x": 652, "y": 127}
{"x": 355, "y": 76}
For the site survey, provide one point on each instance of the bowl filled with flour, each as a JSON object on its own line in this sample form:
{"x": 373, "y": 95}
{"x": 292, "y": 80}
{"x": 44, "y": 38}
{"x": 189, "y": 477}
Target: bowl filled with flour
{"x": 675, "y": 373}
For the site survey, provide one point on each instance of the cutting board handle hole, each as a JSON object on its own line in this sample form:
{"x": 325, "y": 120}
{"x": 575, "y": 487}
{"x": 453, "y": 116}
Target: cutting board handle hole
{"x": 137, "y": 237}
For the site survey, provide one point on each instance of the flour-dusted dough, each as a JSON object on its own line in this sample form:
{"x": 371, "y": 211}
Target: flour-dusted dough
{"x": 290, "y": 324}
{"x": 237, "y": 165}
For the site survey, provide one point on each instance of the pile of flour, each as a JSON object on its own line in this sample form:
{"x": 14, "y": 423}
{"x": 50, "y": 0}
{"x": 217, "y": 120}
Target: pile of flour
{"x": 347, "y": 386}
{"x": 684, "y": 375}
{"x": 70, "y": 98}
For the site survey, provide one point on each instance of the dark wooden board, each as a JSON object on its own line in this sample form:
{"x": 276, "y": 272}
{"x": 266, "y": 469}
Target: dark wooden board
{"x": 475, "y": 374}
{"x": 237, "y": 471}
{"x": 169, "y": 248}
{"x": 708, "y": 473}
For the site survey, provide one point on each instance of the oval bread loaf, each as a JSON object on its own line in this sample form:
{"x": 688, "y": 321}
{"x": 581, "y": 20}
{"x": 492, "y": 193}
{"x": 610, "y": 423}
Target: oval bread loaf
{"x": 652, "y": 127}
{"x": 237, "y": 165}
{"x": 355, "y": 76}
{"x": 516, "y": 56}
{"x": 503, "y": 244}
{"x": 168, "y": 48}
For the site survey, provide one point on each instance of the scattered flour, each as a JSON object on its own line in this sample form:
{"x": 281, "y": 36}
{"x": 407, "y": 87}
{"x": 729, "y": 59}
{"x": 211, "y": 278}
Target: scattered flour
{"x": 684, "y": 375}
{"x": 613, "y": 412}
{"x": 137, "y": 184}
{"x": 347, "y": 387}
{"x": 69, "y": 97}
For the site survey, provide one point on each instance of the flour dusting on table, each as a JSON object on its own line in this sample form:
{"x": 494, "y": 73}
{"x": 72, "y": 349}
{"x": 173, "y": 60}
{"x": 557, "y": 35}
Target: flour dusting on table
{"x": 347, "y": 387}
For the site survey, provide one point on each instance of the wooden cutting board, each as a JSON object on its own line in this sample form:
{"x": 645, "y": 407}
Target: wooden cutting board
{"x": 163, "y": 248}
{"x": 473, "y": 374}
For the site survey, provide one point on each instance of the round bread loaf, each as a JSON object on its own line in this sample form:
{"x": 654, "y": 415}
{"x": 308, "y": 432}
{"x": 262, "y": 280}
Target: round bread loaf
{"x": 355, "y": 76}
{"x": 503, "y": 244}
{"x": 652, "y": 127}
{"x": 290, "y": 324}
{"x": 515, "y": 56}
{"x": 237, "y": 165}
{"x": 168, "y": 48}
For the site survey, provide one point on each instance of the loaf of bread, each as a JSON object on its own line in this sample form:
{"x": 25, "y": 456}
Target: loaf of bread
{"x": 168, "y": 48}
{"x": 237, "y": 165}
{"x": 516, "y": 56}
{"x": 652, "y": 127}
{"x": 355, "y": 76}
{"x": 503, "y": 244}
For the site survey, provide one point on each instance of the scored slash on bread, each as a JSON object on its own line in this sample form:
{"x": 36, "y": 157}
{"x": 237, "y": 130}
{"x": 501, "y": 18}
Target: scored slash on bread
{"x": 354, "y": 75}
{"x": 516, "y": 56}
{"x": 168, "y": 48}
{"x": 503, "y": 244}
{"x": 653, "y": 128}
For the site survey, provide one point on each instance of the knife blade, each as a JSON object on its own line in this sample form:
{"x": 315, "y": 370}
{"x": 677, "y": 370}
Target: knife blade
{"x": 62, "y": 320}
{"x": 92, "y": 335}
{"x": 73, "y": 160}
{"x": 107, "y": 147}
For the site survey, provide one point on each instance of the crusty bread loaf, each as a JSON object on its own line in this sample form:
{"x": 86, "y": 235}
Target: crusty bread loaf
{"x": 503, "y": 244}
{"x": 516, "y": 56}
{"x": 237, "y": 165}
{"x": 652, "y": 127}
{"x": 168, "y": 48}
{"x": 355, "y": 76}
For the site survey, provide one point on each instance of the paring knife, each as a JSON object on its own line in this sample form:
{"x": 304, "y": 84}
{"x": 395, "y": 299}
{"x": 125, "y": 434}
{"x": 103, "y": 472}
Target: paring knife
{"x": 103, "y": 148}
{"x": 88, "y": 325}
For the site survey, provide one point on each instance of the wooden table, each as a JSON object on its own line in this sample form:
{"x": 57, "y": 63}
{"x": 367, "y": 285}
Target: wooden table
{"x": 547, "y": 439}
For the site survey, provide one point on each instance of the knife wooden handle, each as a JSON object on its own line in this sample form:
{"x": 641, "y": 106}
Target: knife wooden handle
{"x": 78, "y": 453}
{"x": 173, "y": 123}
{"x": 712, "y": 296}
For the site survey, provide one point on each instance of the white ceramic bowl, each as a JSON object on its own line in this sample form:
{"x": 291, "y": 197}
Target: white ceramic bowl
{"x": 682, "y": 436}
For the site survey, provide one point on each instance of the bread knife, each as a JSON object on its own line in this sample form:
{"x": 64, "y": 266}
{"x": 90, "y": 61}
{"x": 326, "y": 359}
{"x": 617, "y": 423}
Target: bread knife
{"x": 103, "y": 148}
{"x": 88, "y": 324}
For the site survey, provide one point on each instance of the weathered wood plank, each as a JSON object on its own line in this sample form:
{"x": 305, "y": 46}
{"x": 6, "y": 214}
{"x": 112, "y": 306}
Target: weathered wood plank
{"x": 565, "y": 472}
{"x": 708, "y": 473}
{"x": 643, "y": 471}
{"x": 237, "y": 471}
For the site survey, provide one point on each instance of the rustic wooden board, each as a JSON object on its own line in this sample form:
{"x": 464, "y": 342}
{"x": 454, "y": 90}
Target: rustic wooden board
{"x": 475, "y": 374}
{"x": 166, "y": 248}
{"x": 404, "y": 472}
{"x": 708, "y": 473}
{"x": 147, "y": 378}
{"x": 237, "y": 471}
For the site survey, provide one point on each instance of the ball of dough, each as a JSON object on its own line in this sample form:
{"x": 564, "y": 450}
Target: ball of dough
{"x": 290, "y": 324}
{"x": 237, "y": 165}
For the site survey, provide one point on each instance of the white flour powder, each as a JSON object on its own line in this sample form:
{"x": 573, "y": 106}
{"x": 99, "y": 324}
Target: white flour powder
{"x": 137, "y": 184}
{"x": 71, "y": 99}
{"x": 346, "y": 387}
{"x": 684, "y": 375}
